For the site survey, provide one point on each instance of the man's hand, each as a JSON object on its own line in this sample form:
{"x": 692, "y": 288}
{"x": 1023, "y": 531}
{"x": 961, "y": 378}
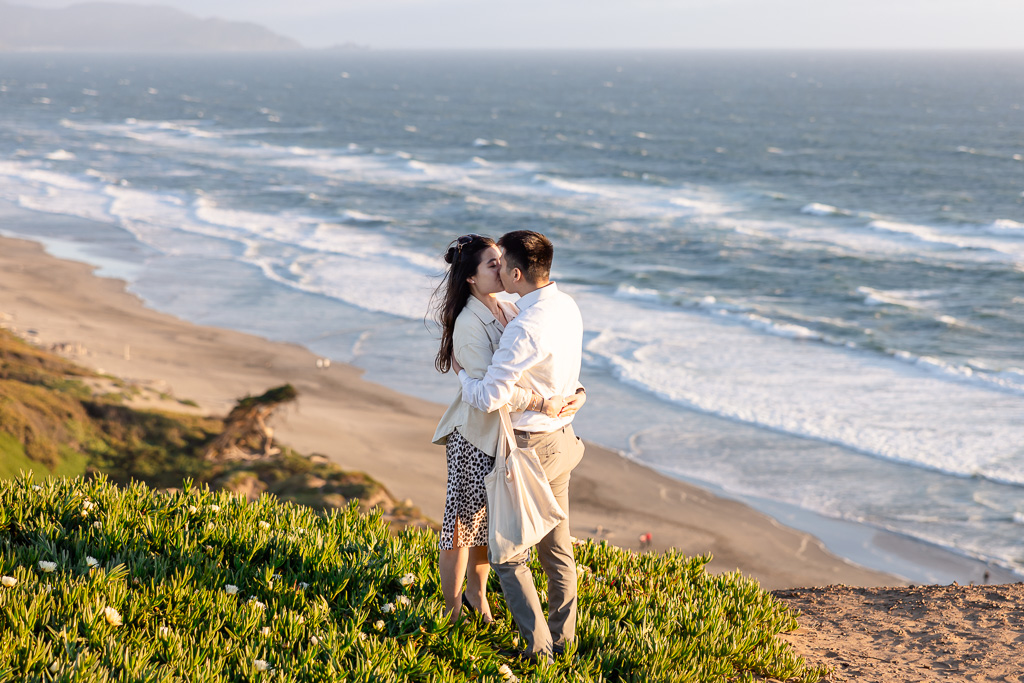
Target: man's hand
{"x": 564, "y": 406}
{"x": 456, "y": 368}
{"x": 573, "y": 404}
{"x": 553, "y": 406}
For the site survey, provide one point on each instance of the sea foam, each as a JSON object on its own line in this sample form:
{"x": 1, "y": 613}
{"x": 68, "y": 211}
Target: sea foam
{"x": 883, "y": 407}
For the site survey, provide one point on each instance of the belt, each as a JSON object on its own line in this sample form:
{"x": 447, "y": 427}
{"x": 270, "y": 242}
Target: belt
{"x": 522, "y": 432}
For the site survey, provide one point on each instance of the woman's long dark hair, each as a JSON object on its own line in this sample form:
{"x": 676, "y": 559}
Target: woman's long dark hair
{"x": 451, "y": 295}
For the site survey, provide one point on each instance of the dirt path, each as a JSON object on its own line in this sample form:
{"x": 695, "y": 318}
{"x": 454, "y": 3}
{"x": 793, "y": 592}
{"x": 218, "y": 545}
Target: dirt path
{"x": 923, "y": 633}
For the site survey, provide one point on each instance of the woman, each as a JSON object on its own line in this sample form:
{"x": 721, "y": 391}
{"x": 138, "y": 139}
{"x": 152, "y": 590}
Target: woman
{"x": 471, "y": 319}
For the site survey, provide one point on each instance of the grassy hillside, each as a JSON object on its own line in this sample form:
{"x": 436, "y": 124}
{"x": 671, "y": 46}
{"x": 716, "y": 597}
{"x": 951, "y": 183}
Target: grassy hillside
{"x": 103, "y": 583}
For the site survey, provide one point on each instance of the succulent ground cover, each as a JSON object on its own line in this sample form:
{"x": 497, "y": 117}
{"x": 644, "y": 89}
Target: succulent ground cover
{"x": 106, "y": 583}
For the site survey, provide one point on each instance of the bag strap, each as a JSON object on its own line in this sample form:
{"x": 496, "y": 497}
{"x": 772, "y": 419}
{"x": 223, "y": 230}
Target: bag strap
{"x": 506, "y": 428}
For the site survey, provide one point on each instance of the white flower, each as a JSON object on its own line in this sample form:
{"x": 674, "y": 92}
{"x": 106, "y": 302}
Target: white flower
{"x": 262, "y": 665}
{"x": 214, "y": 508}
{"x": 265, "y": 631}
{"x": 379, "y": 624}
{"x": 506, "y": 673}
{"x": 403, "y": 601}
{"x": 388, "y": 608}
{"x": 163, "y": 631}
{"x": 37, "y": 487}
{"x": 303, "y": 585}
{"x": 8, "y": 581}
{"x": 230, "y": 589}
{"x": 263, "y": 525}
{"x": 97, "y": 525}
{"x": 363, "y": 636}
{"x": 112, "y": 615}
{"x": 92, "y": 561}
{"x": 300, "y": 532}
{"x": 47, "y": 566}
{"x": 314, "y": 640}
{"x": 407, "y": 580}
{"x": 256, "y": 604}
{"x": 55, "y": 667}
{"x": 193, "y": 509}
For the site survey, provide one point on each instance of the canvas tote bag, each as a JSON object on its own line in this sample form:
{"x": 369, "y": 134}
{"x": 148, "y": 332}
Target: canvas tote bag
{"x": 521, "y": 509}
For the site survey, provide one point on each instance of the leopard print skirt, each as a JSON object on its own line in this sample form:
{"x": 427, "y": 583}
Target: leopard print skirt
{"x": 465, "y": 505}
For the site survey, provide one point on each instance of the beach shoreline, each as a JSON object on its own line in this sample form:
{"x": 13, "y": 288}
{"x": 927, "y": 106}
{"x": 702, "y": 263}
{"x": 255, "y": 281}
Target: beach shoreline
{"x": 363, "y": 426}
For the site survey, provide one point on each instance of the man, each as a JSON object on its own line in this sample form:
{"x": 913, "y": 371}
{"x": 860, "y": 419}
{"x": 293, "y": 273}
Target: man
{"x": 541, "y": 349}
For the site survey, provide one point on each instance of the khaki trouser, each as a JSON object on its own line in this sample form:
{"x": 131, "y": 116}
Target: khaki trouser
{"x": 559, "y": 452}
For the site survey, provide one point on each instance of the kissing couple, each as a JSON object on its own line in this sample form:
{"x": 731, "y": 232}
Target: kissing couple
{"x": 525, "y": 356}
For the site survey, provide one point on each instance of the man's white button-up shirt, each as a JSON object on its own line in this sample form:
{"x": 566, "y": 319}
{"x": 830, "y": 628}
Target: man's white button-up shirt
{"x": 541, "y": 349}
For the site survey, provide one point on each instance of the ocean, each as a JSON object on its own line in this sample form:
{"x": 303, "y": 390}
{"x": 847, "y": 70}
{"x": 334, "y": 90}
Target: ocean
{"x": 801, "y": 274}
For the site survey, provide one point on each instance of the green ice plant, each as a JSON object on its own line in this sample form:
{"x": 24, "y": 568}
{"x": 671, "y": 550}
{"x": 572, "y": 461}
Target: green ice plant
{"x": 106, "y": 583}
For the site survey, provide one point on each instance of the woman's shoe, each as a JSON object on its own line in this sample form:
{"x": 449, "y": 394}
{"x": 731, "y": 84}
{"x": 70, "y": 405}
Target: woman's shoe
{"x": 470, "y": 609}
{"x": 467, "y": 605}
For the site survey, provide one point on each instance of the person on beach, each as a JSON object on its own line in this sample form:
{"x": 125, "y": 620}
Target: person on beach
{"x": 471, "y": 319}
{"x": 541, "y": 349}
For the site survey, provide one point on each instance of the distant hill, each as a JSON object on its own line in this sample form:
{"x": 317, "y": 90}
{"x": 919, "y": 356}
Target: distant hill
{"x": 126, "y": 27}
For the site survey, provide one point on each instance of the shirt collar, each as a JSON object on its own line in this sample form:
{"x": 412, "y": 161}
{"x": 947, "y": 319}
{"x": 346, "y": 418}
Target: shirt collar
{"x": 480, "y": 310}
{"x": 546, "y": 292}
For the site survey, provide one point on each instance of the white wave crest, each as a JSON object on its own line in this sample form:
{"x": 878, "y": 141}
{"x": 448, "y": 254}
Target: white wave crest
{"x": 61, "y": 155}
{"x": 630, "y": 292}
{"x": 352, "y": 216}
{"x": 816, "y": 209}
{"x": 1005, "y": 226}
{"x": 781, "y": 329}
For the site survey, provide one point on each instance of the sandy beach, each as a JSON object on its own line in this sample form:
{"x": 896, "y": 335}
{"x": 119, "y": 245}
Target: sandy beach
{"x": 366, "y": 427}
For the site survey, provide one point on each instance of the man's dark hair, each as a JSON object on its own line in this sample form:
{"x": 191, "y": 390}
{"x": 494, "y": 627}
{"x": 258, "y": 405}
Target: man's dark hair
{"x": 530, "y": 252}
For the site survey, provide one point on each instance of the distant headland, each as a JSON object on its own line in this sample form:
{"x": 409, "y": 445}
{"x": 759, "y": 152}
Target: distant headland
{"x": 123, "y": 27}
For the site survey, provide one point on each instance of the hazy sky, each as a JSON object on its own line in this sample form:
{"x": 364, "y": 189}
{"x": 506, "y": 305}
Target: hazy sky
{"x": 858, "y": 24}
